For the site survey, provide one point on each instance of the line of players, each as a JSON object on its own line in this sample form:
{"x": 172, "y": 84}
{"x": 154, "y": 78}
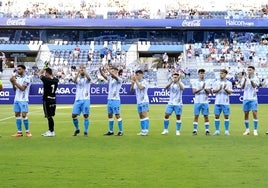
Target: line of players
{"x": 222, "y": 89}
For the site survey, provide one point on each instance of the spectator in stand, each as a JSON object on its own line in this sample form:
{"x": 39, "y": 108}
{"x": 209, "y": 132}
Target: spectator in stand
{"x": 2, "y": 61}
{"x": 35, "y": 67}
{"x": 263, "y": 62}
{"x": 76, "y": 52}
{"x": 189, "y": 52}
{"x": 265, "y": 82}
{"x": 103, "y": 53}
{"x": 165, "y": 60}
{"x": 264, "y": 41}
{"x": 109, "y": 56}
{"x": 90, "y": 55}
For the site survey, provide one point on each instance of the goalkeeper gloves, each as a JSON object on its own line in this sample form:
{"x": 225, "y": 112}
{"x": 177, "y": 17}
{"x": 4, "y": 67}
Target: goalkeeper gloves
{"x": 45, "y": 65}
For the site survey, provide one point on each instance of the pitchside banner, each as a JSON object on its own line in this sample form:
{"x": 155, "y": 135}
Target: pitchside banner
{"x": 66, "y": 94}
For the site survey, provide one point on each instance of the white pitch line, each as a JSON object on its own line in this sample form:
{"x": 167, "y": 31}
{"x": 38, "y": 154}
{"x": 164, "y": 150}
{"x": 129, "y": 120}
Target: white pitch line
{"x": 10, "y": 117}
{"x": 3, "y": 119}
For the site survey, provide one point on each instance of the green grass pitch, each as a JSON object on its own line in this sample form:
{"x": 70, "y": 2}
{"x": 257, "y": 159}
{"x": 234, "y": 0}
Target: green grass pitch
{"x": 132, "y": 161}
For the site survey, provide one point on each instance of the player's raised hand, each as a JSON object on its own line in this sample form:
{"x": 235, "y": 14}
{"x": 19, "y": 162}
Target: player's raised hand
{"x": 46, "y": 65}
{"x": 245, "y": 76}
{"x": 107, "y": 66}
{"x": 12, "y": 79}
{"x": 204, "y": 85}
{"x": 133, "y": 79}
{"x": 100, "y": 66}
{"x": 179, "y": 77}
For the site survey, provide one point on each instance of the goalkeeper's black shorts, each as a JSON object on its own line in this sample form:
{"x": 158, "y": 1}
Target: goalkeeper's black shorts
{"x": 49, "y": 107}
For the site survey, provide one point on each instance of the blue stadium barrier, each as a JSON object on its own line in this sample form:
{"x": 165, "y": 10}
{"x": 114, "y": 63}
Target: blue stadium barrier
{"x": 66, "y": 94}
{"x": 135, "y": 23}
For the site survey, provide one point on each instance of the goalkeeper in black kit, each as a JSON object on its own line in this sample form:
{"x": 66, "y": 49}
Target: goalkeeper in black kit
{"x": 50, "y": 85}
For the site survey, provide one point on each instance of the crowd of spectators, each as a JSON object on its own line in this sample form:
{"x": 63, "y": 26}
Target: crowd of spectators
{"x": 235, "y": 54}
{"x": 240, "y": 51}
{"x": 65, "y": 74}
{"x": 65, "y": 70}
{"x": 131, "y": 9}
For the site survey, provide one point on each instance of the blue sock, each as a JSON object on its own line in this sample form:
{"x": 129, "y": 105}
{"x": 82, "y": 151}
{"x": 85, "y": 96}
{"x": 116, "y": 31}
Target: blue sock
{"x": 226, "y": 124}
{"x": 166, "y": 123}
{"x": 207, "y": 125}
{"x": 217, "y": 124}
{"x": 26, "y": 123}
{"x": 75, "y": 122}
{"x": 195, "y": 125}
{"x": 255, "y": 123}
{"x": 111, "y": 125}
{"x": 247, "y": 124}
{"x": 18, "y": 123}
{"x": 142, "y": 123}
{"x": 86, "y": 125}
{"x": 147, "y": 124}
{"x": 178, "y": 125}
{"x": 120, "y": 125}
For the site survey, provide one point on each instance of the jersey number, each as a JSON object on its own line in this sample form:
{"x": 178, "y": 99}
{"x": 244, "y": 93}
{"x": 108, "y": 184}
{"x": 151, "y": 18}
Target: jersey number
{"x": 53, "y": 88}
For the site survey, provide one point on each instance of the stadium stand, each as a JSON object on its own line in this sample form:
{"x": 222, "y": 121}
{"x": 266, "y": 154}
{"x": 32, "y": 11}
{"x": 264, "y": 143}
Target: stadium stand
{"x": 214, "y": 51}
{"x": 130, "y": 9}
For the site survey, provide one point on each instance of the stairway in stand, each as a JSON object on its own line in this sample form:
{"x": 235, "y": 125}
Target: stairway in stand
{"x": 162, "y": 77}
